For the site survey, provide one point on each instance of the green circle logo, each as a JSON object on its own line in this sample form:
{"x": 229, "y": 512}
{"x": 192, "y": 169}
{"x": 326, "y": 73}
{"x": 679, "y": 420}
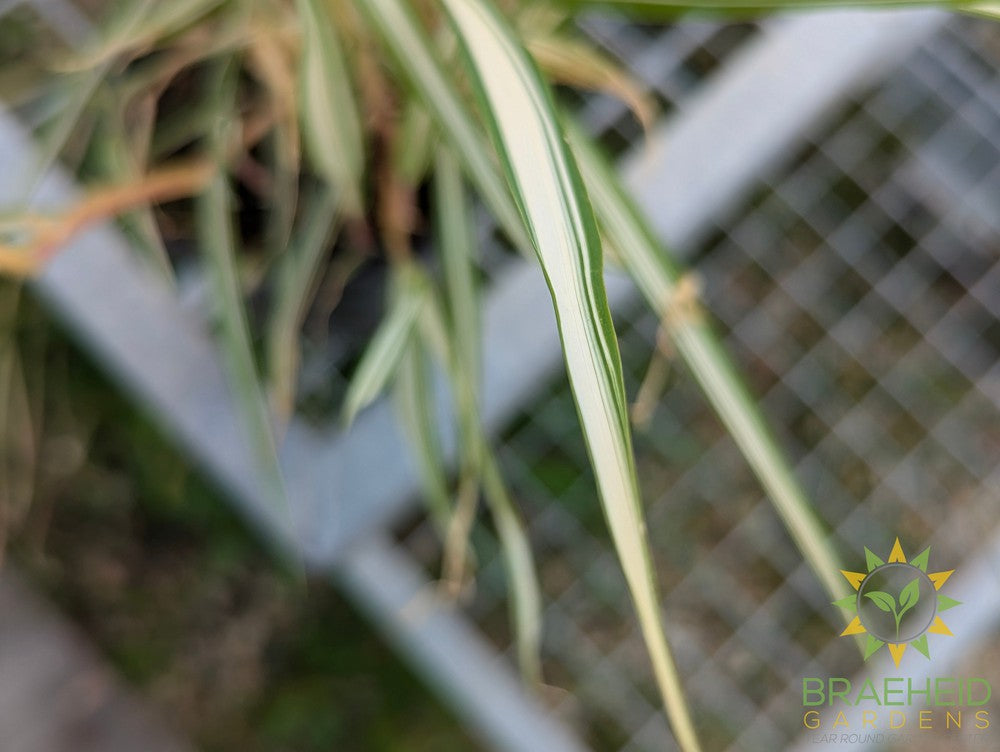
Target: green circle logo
{"x": 897, "y": 603}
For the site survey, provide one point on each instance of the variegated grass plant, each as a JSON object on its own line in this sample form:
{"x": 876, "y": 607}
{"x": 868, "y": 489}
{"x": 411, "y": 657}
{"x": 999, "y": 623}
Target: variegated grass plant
{"x": 336, "y": 113}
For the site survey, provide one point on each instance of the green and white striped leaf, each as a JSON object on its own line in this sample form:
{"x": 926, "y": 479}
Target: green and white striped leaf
{"x": 297, "y": 276}
{"x": 414, "y": 400}
{"x": 214, "y": 218}
{"x": 519, "y": 564}
{"x": 548, "y": 191}
{"x": 331, "y": 126}
{"x": 456, "y": 242}
{"x": 457, "y": 342}
{"x": 657, "y": 277}
{"x": 415, "y": 146}
{"x": 384, "y": 352}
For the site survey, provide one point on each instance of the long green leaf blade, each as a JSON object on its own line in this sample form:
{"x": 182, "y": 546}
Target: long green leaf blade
{"x": 478, "y": 462}
{"x": 331, "y": 126}
{"x": 214, "y": 217}
{"x": 297, "y": 276}
{"x": 547, "y": 189}
{"x": 657, "y": 277}
{"x": 384, "y": 352}
{"x": 457, "y": 244}
{"x": 414, "y": 400}
{"x": 519, "y": 564}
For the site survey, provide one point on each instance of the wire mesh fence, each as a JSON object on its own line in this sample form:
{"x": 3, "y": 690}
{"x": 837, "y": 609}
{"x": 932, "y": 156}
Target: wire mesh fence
{"x": 857, "y": 287}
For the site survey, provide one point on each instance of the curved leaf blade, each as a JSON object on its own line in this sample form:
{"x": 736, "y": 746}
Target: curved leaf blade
{"x": 548, "y": 191}
{"x": 384, "y": 352}
{"x": 457, "y": 245}
{"x": 331, "y": 125}
{"x": 658, "y": 278}
{"x": 298, "y": 272}
{"x": 414, "y": 401}
{"x": 216, "y": 235}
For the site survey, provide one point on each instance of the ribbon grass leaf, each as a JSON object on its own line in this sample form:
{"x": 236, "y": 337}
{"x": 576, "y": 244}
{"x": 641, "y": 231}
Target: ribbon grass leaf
{"x": 570, "y": 61}
{"x": 519, "y": 564}
{"x": 331, "y": 126}
{"x": 658, "y": 279}
{"x": 461, "y": 355}
{"x": 297, "y": 276}
{"x": 213, "y": 217}
{"x": 414, "y": 401}
{"x": 457, "y": 244}
{"x": 384, "y": 352}
{"x": 548, "y": 191}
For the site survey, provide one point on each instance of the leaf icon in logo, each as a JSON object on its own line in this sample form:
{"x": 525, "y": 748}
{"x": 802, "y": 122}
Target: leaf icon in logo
{"x": 909, "y": 596}
{"x": 883, "y": 600}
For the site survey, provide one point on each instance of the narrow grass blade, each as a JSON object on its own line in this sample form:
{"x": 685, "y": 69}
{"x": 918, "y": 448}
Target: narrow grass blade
{"x": 297, "y": 277}
{"x": 576, "y": 63}
{"x": 456, "y": 242}
{"x": 74, "y": 92}
{"x": 414, "y": 401}
{"x": 416, "y": 143}
{"x": 119, "y": 161}
{"x": 547, "y": 188}
{"x": 331, "y": 126}
{"x": 213, "y": 218}
{"x": 659, "y": 280}
{"x": 384, "y": 352}
{"x": 136, "y": 25}
{"x": 274, "y": 67}
{"x": 459, "y": 350}
{"x": 519, "y": 564}
{"x": 418, "y": 65}
{"x": 478, "y": 463}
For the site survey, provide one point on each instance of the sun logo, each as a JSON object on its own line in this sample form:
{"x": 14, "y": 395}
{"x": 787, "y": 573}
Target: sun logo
{"x": 897, "y": 603}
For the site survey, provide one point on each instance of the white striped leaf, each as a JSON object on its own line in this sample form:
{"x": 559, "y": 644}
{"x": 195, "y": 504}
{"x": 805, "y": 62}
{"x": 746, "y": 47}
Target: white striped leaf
{"x": 331, "y": 126}
{"x": 459, "y": 348}
{"x": 214, "y": 221}
{"x": 519, "y": 564}
{"x": 456, "y": 241}
{"x": 384, "y": 352}
{"x": 657, "y": 277}
{"x": 415, "y": 406}
{"x": 298, "y": 272}
{"x": 547, "y": 188}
